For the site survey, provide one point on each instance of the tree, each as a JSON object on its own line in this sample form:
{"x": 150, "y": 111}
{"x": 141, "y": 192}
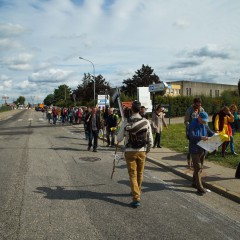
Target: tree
{"x": 142, "y": 78}
{"x": 49, "y": 100}
{"x": 62, "y": 95}
{"x": 85, "y": 91}
{"x": 20, "y": 100}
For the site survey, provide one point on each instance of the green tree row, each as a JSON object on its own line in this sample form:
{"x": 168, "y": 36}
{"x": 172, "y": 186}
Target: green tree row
{"x": 179, "y": 104}
{"x": 143, "y": 77}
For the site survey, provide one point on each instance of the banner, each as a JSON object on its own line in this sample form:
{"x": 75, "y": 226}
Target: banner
{"x": 144, "y": 98}
{"x": 103, "y": 100}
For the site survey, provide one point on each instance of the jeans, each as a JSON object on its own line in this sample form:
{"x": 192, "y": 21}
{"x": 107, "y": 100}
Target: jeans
{"x": 63, "y": 118}
{"x": 157, "y": 139}
{"x": 135, "y": 163}
{"x": 112, "y": 135}
{"x": 231, "y": 145}
{"x": 93, "y": 136}
{"x": 86, "y": 131}
{"x": 54, "y": 119}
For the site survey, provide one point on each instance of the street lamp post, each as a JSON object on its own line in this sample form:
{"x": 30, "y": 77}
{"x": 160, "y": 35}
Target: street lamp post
{"x": 94, "y": 86}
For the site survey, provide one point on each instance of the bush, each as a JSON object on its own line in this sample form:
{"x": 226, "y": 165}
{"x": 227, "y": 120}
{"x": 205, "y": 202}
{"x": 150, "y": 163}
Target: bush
{"x": 5, "y": 108}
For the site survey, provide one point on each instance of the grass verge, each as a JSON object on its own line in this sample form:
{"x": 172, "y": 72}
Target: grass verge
{"x": 175, "y": 138}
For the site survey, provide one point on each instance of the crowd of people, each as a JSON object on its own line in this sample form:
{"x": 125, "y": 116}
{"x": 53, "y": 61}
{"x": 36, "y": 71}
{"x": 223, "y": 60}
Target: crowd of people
{"x": 224, "y": 122}
{"x": 140, "y": 134}
{"x": 70, "y": 115}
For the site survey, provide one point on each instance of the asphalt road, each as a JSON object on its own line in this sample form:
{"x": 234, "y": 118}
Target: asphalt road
{"x": 51, "y": 187}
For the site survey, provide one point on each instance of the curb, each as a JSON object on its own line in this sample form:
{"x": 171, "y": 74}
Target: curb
{"x": 213, "y": 187}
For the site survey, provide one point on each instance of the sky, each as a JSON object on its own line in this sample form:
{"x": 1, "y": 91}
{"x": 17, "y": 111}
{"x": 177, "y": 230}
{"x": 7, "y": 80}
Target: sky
{"x": 41, "y": 42}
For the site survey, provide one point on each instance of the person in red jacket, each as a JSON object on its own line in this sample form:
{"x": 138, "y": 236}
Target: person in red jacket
{"x": 55, "y": 115}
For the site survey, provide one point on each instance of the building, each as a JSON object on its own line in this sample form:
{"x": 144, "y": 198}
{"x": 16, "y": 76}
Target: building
{"x": 190, "y": 88}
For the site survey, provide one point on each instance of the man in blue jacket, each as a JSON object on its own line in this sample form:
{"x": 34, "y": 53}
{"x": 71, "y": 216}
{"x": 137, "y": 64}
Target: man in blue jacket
{"x": 198, "y": 130}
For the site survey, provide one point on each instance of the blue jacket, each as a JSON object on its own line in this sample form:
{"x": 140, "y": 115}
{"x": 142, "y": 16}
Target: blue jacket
{"x": 196, "y": 131}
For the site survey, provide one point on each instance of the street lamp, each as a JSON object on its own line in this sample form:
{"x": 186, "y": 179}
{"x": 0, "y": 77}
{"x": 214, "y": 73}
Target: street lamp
{"x": 94, "y": 87}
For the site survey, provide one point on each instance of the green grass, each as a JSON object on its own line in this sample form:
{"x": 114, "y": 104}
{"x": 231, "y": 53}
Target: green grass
{"x": 175, "y": 138}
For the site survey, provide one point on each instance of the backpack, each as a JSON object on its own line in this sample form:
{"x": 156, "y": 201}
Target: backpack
{"x": 138, "y": 132}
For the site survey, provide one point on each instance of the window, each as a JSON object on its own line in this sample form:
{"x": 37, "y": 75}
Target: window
{"x": 210, "y": 93}
{"x": 216, "y": 93}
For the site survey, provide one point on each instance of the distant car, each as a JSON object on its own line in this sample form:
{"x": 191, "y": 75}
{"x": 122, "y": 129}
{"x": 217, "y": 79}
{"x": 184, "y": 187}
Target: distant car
{"x": 20, "y": 107}
{"x": 38, "y": 109}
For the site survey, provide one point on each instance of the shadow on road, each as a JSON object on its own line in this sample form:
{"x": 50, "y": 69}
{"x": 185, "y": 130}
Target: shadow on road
{"x": 152, "y": 187}
{"x": 58, "y": 192}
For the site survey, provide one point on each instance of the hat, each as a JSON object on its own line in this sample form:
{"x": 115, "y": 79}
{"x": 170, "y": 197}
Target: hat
{"x": 203, "y": 116}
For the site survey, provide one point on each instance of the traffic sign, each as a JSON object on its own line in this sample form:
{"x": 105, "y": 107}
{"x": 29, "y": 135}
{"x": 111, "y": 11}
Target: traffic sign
{"x": 5, "y": 97}
{"x": 157, "y": 87}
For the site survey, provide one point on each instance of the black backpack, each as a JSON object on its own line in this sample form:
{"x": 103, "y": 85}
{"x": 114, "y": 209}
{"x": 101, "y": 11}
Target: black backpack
{"x": 138, "y": 132}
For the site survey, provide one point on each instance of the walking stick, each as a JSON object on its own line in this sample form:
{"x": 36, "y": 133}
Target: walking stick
{"x": 114, "y": 161}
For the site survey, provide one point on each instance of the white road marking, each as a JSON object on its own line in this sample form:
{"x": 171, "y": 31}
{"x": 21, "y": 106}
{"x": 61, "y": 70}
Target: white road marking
{"x": 30, "y": 119}
{"x": 19, "y": 120}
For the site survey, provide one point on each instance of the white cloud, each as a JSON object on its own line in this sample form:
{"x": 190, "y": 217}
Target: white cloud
{"x": 11, "y": 30}
{"x": 4, "y": 78}
{"x": 176, "y": 40}
{"x": 26, "y": 85}
{"x": 182, "y": 23}
{"x": 9, "y": 44}
{"x": 7, "y": 84}
{"x": 50, "y": 75}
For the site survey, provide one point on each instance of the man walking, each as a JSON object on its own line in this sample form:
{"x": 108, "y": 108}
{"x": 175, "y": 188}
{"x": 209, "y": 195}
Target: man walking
{"x": 138, "y": 140}
{"x": 111, "y": 127}
{"x": 93, "y": 126}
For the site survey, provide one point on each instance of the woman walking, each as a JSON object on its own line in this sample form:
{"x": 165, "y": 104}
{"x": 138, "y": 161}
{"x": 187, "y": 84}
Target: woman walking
{"x": 158, "y": 122}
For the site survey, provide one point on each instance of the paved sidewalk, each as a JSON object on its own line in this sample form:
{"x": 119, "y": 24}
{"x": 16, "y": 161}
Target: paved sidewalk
{"x": 216, "y": 178}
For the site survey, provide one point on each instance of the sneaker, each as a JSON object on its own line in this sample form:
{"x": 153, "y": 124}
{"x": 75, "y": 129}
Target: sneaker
{"x": 159, "y": 146}
{"x": 201, "y": 192}
{"x": 88, "y": 148}
{"x": 135, "y": 204}
{"x": 94, "y": 150}
{"x": 234, "y": 154}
